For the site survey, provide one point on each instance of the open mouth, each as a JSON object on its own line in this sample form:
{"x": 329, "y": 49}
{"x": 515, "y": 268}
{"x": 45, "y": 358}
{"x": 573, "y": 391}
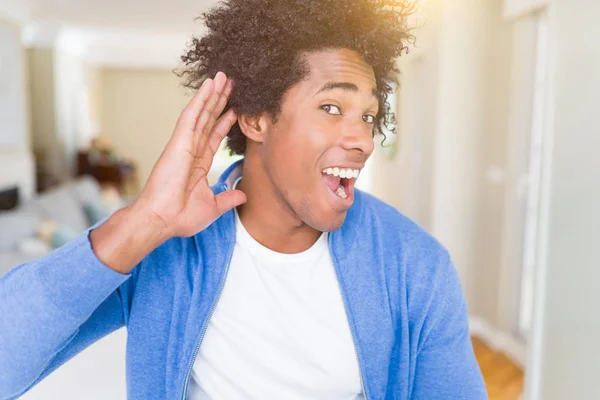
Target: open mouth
{"x": 341, "y": 180}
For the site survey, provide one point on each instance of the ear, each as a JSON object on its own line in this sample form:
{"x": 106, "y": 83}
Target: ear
{"x": 254, "y": 127}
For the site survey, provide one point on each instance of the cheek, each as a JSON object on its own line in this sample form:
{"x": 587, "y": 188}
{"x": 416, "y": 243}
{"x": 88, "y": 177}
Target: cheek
{"x": 294, "y": 154}
{"x": 299, "y": 144}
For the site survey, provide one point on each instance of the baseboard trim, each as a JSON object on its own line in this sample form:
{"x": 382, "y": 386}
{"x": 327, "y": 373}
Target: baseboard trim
{"x": 504, "y": 342}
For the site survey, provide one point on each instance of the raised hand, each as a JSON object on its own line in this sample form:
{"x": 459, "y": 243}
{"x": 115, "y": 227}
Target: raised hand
{"x": 177, "y": 193}
{"x": 176, "y": 200}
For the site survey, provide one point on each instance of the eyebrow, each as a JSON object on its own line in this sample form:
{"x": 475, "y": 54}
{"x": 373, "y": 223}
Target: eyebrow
{"x": 347, "y": 86}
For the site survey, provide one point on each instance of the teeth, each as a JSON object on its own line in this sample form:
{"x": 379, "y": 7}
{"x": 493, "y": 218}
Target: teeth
{"x": 341, "y": 192}
{"x": 347, "y": 173}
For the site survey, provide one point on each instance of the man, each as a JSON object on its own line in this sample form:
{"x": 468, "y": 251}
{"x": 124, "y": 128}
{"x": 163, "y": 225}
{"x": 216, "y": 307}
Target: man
{"x": 282, "y": 281}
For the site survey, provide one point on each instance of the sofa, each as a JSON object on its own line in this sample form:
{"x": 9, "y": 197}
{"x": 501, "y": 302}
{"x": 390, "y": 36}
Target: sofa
{"x": 65, "y": 205}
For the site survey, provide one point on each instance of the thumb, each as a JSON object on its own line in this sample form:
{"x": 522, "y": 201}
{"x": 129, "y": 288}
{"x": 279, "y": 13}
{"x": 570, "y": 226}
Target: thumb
{"x": 230, "y": 199}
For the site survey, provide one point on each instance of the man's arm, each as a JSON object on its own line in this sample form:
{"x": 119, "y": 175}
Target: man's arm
{"x": 44, "y": 307}
{"x": 54, "y": 307}
{"x": 446, "y": 366}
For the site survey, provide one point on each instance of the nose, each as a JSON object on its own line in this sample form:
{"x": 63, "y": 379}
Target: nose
{"x": 358, "y": 138}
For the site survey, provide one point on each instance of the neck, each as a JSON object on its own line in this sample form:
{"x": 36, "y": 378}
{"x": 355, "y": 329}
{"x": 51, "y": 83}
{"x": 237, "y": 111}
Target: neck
{"x": 267, "y": 216}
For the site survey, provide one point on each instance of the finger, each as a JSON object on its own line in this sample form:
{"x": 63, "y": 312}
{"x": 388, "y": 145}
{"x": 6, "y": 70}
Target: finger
{"x": 205, "y": 118}
{"x": 230, "y": 199}
{"x": 229, "y": 87}
{"x": 207, "y": 111}
{"x": 224, "y": 97}
{"x": 189, "y": 115}
{"x": 220, "y": 106}
{"x": 221, "y": 129}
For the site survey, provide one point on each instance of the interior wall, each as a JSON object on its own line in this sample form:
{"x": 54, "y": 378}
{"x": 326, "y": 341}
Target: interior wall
{"x": 492, "y": 173}
{"x": 461, "y": 125}
{"x": 139, "y": 109}
{"x": 568, "y": 360}
{"x": 14, "y": 126}
{"x": 71, "y": 105}
{"x": 45, "y": 142}
{"x": 448, "y": 172}
{"x": 518, "y": 147}
{"x": 405, "y": 181}
{"x": 17, "y": 166}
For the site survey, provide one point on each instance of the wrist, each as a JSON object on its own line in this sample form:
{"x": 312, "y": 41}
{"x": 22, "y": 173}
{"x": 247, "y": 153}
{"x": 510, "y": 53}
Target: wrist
{"x": 150, "y": 225}
{"x": 126, "y": 238}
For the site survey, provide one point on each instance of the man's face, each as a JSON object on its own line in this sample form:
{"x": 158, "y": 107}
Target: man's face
{"x": 322, "y": 138}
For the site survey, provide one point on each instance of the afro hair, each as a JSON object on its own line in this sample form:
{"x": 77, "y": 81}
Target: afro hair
{"x": 260, "y": 44}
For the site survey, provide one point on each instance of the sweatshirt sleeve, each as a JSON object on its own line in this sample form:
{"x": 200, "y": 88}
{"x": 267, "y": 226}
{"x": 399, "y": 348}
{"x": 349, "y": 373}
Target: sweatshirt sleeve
{"x": 446, "y": 367}
{"x": 52, "y": 308}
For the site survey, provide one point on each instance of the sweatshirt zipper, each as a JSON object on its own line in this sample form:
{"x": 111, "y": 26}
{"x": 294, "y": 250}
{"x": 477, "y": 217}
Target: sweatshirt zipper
{"x": 205, "y": 327}
{"x": 352, "y": 333}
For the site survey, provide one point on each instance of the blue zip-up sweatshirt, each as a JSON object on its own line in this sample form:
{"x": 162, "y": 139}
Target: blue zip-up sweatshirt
{"x": 402, "y": 295}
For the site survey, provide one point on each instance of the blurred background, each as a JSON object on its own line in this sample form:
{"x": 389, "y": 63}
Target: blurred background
{"x": 495, "y": 154}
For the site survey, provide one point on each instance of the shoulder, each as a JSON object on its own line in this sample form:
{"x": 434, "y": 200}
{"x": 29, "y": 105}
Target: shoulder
{"x": 399, "y": 233}
{"x": 407, "y": 253}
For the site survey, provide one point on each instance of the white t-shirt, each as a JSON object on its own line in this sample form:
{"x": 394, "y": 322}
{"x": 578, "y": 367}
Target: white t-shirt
{"x": 279, "y": 330}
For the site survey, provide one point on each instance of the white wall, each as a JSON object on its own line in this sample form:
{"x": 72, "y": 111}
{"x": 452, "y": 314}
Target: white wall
{"x": 45, "y": 142}
{"x": 452, "y": 115}
{"x": 16, "y": 162}
{"x": 138, "y": 111}
{"x": 61, "y": 96}
{"x": 566, "y": 350}
{"x": 406, "y": 180}
{"x": 513, "y": 8}
{"x": 518, "y": 137}
{"x": 13, "y": 112}
{"x": 71, "y": 105}
{"x": 493, "y": 152}
{"x": 460, "y": 126}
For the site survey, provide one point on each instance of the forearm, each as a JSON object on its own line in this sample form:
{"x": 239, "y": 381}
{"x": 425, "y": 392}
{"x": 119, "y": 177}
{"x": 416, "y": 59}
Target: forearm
{"x": 126, "y": 238}
{"x": 44, "y": 303}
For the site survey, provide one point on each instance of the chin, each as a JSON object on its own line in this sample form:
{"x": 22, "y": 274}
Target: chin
{"x": 328, "y": 223}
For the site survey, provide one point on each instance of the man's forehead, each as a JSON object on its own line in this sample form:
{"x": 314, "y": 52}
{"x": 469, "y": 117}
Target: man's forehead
{"x": 340, "y": 65}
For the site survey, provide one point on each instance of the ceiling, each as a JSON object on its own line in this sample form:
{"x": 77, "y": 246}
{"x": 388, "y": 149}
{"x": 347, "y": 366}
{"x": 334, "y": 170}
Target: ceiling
{"x": 158, "y": 16}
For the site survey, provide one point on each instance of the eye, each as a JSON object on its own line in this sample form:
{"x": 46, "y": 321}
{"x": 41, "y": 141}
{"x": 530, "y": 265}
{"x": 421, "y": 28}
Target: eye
{"x": 369, "y": 119}
{"x": 331, "y": 109}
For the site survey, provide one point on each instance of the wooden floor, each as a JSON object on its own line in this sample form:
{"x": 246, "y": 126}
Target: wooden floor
{"x": 503, "y": 379}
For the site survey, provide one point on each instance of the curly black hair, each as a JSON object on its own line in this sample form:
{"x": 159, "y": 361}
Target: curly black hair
{"x": 260, "y": 45}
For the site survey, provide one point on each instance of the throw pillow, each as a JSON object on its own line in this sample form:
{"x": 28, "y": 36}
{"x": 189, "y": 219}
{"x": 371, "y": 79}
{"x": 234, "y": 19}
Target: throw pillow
{"x": 107, "y": 203}
{"x": 55, "y": 235}
{"x": 95, "y": 211}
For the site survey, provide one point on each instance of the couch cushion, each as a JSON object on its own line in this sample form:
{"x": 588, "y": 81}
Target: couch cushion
{"x": 33, "y": 246}
{"x": 86, "y": 189}
{"x": 61, "y": 205}
{"x": 16, "y": 226}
